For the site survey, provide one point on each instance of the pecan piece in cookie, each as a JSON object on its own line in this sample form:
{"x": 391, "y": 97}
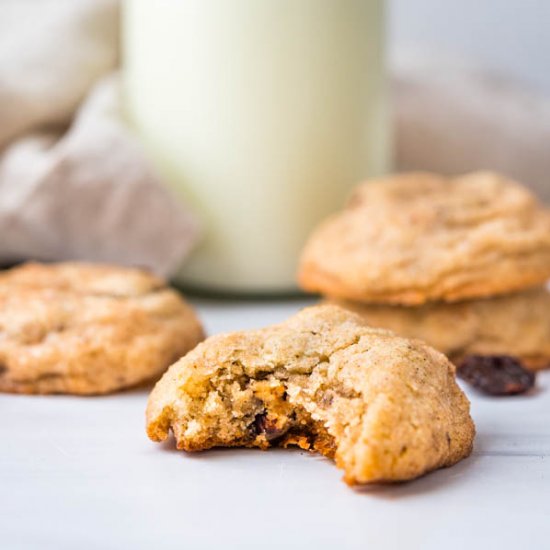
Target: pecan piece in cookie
{"x": 384, "y": 407}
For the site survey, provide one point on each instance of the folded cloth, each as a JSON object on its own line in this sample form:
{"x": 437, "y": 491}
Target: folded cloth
{"x": 51, "y": 53}
{"x": 76, "y": 186}
{"x": 90, "y": 194}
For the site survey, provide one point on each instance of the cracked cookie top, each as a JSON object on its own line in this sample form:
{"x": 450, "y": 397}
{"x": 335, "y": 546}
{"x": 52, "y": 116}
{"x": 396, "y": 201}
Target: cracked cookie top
{"x": 412, "y": 238}
{"x": 384, "y": 407}
{"x": 88, "y": 329}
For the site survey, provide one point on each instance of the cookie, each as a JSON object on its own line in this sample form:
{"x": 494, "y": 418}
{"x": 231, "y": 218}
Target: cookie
{"x": 516, "y": 325}
{"x": 413, "y": 238}
{"x": 384, "y": 407}
{"x": 88, "y": 329}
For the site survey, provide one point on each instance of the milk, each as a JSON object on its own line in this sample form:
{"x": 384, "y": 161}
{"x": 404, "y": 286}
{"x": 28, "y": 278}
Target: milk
{"x": 262, "y": 114}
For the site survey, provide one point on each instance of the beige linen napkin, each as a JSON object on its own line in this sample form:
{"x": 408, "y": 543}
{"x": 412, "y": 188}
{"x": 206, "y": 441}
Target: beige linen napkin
{"x": 76, "y": 186}
{"x": 90, "y": 194}
{"x": 51, "y": 53}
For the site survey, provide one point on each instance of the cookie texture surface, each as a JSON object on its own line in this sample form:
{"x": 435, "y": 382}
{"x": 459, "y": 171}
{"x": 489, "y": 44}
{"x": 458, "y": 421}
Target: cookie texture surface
{"x": 516, "y": 325}
{"x": 88, "y": 329}
{"x": 384, "y": 407}
{"x": 413, "y": 238}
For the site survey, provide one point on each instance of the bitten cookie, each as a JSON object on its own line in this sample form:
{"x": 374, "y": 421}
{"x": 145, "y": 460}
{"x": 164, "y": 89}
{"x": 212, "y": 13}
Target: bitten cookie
{"x": 88, "y": 329}
{"x": 384, "y": 407}
{"x": 413, "y": 238}
{"x": 516, "y": 325}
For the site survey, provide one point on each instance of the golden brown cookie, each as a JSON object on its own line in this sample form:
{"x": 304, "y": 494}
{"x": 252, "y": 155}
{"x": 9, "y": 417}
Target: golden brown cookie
{"x": 413, "y": 238}
{"x": 384, "y": 407}
{"x": 88, "y": 329}
{"x": 517, "y": 325}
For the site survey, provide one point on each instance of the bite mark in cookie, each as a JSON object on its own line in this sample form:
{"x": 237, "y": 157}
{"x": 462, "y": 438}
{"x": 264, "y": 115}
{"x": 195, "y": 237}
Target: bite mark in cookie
{"x": 384, "y": 407}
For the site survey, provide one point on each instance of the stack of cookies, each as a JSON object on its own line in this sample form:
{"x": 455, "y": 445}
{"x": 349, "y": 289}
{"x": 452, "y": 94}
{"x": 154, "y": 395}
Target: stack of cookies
{"x": 461, "y": 263}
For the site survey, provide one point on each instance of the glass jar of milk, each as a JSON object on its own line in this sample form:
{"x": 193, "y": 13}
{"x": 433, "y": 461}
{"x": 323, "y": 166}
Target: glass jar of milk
{"x": 262, "y": 114}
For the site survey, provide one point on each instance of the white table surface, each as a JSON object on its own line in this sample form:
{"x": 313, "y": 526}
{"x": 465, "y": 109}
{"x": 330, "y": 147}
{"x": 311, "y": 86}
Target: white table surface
{"x": 79, "y": 473}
